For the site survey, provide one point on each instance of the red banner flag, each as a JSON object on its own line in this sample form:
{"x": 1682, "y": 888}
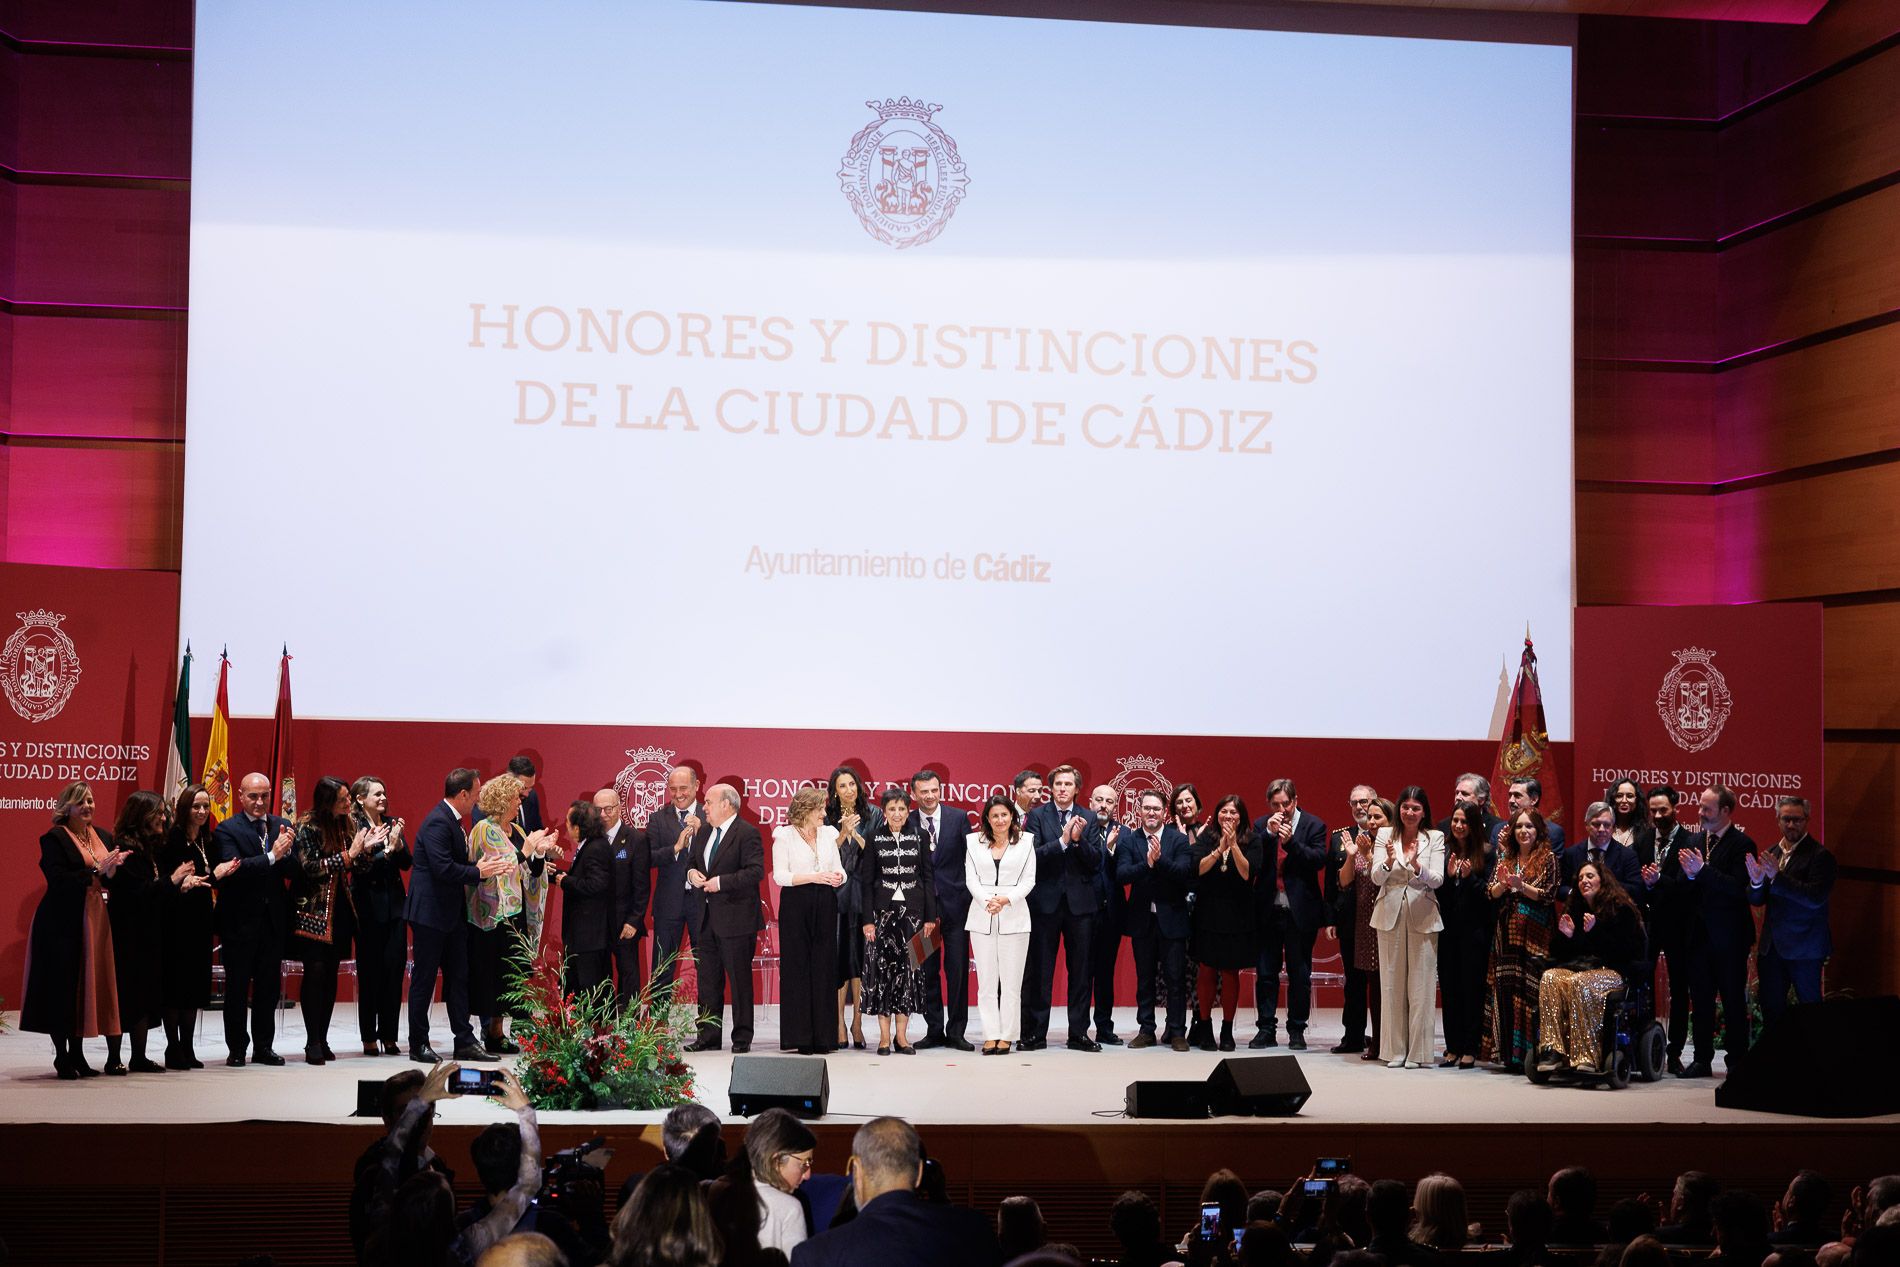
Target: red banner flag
{"x": 283, "y": 766}
{"x": 1524, "y": 748}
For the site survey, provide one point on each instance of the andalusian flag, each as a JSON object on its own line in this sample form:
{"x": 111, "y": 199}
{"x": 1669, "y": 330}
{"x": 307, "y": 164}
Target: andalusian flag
{"x": 283, "y": 766}
{"x": 1524, "y": 748}
{"x": 178, "y": 752}
{"x": 217, "y": 776}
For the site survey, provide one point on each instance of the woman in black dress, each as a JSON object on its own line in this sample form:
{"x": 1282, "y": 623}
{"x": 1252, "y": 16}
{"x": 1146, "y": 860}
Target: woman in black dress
{"x": 1184, "y": 807}
{"x": 1226, "y": 860}
{"x": 899, "y": 902}
{"x": 322, "y": 907}
{"x": 1464, "y": 947}
{"x": 133, "y": 898}
{"x": 186, "y": 922}
{"x": 856, "y": 821}
{"x": 382, "y": 939}
{"x": 72, "y": 989}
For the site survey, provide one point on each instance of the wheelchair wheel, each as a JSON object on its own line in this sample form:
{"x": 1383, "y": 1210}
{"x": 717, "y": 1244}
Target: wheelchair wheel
{"x": 1537, "y": 1076}
{"x": 1652, "y": 1052}
{"x": 1619, "y": 1071}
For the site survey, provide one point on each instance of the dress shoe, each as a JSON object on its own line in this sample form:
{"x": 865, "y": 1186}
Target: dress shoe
{"x": 1140, "y": 1041}
{"x": 1349, "y": 1047}
{"x": 704, "y": 1044}
{"x": 1370, "y": 1053}
{"x": 469, "y": 1051}
{"x": 931, "y": 1040}
{"x": 960, "y": 1044}
{"x": 1296, "y": 1042}
{"x": 1084, "y": 1044}
{"x": 424, "y": 1055}
{"x": 115, "y": 1069}
{"x": 64, "y": 1068}
{"x": 1447, "y": 1061}
{"x": 176, "y": 1059}
{"x": 234, "y": 1060}
{"x": 390, "y": 1049}
{"x": 313, "y": 1057}
{"x": 270, "y": 1058}
{"x": 141, "y": 1064}
{"x": 1030, "y": 1044}
{"x": 192, "y": 1057}
{"x": 1675, "y": 1062}
{"x": 1696, "y": 1069}
{"x": 902, "y": 1050}
{"x": 1109, "y": 1039}
{"x": 1226, "y": 1035}
{"x": 883, "y": 1051}
{"x": 327, "y": 1053}
{"x": 369, "y": 1049}
{"x": 501, "y": 1045}
{"x": 1178, "y": 1043}
{"x": 740, "y": 1049}
{"x": 1264, "y": 1038}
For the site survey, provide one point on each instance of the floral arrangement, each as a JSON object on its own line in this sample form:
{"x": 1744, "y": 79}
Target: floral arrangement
{"x": 586, "y": 1051}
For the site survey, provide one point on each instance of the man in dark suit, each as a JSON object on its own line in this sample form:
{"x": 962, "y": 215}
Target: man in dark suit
{"x": 588, "y": 902}
{"x": 1527, "y": 794}
{"x": 668, "y": 841}
{"x": 726, "y": 867}
{"x": 1715, "y": 861}
{"x": 1158, "y": 868}
{"x": 1105, "y": 939}
{"x": 894, "y": 1224}
{"x": 1289, "y": 913}
{"x": 1666, "y": 901}
{"x": 626, "y": 845}
{"x": 438, "y": 918}
{"x": 528, "y": 817}
{"x": 1062, "y": 909}
{"x": 1794, "y": 881}
{"x": 253, "y": 919}
{"x": 946, "y": 832}
{"x": 1599, "y": 845}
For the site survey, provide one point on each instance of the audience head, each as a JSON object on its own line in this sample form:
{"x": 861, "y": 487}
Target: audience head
{"x": 1264, "y": 1205}
{"x": 1645, "y": 1251}
{"x": 690, "y": 1136}
{"x": 666, "y": 1223}
{"x": 1389, "y": 1210}
{"x": 1629, "y": 1219}
{"x": 496, "y": 1153}
{"x": 523, "y": 1249}
{"x": 1807, "y": 1196}
{"x": 1224, "y": 1188}
{"x": 779, "y": 1148}
{"x": 398, "y": 1090}
{"x": 1443, "y": 1222}
{"x": 1882, "y": 1195}
{"x": 1741, "y": 1227}
{"x": 1019, "y": 1227}
{"x": 1689, "y": 1202}
{"x": 1527, "y": 1220}
{"x": 1264, "y": 1244}
{"x": 1572, "y": 1193}
{"x": 1349, "y": 1207}
{"x": 886, "y": 1156}
{"x": 1135, "y": 1221}
{"x": 421, "y": 1222}
{"x": 1878, "y": 1246}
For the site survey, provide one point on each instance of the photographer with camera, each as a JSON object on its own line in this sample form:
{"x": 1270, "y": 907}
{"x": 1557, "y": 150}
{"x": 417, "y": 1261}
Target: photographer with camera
{"x": 496, "y": 1153}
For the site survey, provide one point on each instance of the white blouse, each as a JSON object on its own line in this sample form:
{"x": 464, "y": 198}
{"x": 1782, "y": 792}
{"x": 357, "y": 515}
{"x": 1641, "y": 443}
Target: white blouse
{"x": 792, "y": 856}
{"x": 781, "y": 1217}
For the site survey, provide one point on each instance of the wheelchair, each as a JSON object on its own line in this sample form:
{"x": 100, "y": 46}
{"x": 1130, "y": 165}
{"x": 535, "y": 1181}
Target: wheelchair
{"x": 1634, "y": 1043}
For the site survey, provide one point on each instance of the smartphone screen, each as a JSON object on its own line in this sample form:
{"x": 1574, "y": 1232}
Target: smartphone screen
{"x": 1238, "y": 1233}
{"x": 1320, "y": 1187}
{"x": 475, "y": 1082}
{"x": 1210, "y": 1222}
{"x": 1333, "y": 1166}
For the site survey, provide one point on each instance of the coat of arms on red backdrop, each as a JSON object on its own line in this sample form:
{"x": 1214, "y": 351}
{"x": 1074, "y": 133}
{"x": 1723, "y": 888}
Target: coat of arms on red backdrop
{"x": 642, "y": 783}
{"x": 1694, "y": 701}
{"x": 39, "y": 666}
{"x": 1139, "y": 775}
{"x": 902, "y": 174}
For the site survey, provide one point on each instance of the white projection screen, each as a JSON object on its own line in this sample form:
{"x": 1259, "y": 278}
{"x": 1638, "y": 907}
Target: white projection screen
{"x": 723, "y": 364}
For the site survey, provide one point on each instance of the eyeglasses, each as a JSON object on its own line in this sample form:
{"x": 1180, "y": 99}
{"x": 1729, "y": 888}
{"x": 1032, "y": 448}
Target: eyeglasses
{"x": 801, "y": 1160}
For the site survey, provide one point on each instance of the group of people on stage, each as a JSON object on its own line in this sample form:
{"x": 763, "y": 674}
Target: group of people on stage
{"x": 886, "y": 899}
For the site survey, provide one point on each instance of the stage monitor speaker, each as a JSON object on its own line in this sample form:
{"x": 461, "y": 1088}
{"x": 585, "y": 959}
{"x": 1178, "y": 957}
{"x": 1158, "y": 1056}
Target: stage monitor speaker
{"x": 1167, "y": 1099}
{"x": 369, "y": 1097}
{"x": 1821, "y": 1060}
{"x": 800, "y": 1084}
{"x": 1257, "y": 1086}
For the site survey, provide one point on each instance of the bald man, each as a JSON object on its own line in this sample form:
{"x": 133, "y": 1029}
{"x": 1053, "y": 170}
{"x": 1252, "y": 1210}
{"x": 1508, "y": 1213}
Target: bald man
{"x": 253, "y": 921}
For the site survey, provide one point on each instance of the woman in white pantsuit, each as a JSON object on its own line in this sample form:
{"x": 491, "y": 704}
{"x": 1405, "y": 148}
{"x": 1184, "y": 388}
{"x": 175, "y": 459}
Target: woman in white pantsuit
{"x": 1408, "y": 865}
{"x": 999, "y": 869}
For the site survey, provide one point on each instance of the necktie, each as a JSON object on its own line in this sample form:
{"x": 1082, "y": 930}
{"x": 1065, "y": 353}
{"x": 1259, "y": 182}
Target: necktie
{"x": 713, "y": 848}
{"x": 263, "y": 834}
{"x": 930, "y": 833}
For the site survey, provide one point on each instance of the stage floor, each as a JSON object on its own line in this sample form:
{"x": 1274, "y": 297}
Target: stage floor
{"x": 1055, "y": 1087}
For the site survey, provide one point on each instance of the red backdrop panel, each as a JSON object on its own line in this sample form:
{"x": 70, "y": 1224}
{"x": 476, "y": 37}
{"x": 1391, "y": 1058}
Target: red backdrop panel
{"x": 1691, "y": 696}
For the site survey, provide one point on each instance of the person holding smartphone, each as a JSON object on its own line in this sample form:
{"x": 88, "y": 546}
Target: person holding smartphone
{"x": 382, "y": 939}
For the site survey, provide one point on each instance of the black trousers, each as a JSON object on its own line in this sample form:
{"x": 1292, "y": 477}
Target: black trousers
{"x": 668, "y": 936}
{"x": 808, "y": 951}
{"x": 1284, "y": 942}
{"x": 587, "y": 969}
{"x": 1669, "y": 939}
{"x": 947, "y": 974}
{"x": 722, "y": 963}
{"x": 1073, "y": 933}
{"x": 1719, "y": 971}
{"x": 436, "y": 950}
{"x": 1360, "y": 987}
{"x": 1146, "y": 948}
{"x": 1463, "y": 955}
{"x": 382, "y": 955}
{"x": 253, "y": 969}
{"x": 629, "y": 976}
{"x": 1105, "y": 947}
{"x": 318, "y": 993}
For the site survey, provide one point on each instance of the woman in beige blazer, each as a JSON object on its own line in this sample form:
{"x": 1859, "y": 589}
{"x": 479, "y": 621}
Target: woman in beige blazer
{"x": 999, "y": 869}
{"x": 1408, "y": 865}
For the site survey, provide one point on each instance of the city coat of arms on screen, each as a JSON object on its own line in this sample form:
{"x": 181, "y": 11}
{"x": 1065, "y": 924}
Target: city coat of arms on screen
{"x": 1694, "y": 701}
{"x": 902, "y": 174}
{"x": 39, "y": 666}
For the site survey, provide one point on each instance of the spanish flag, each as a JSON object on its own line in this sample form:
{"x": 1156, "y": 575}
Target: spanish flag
{"x": 1524, "y": 748}
{"x": 217, "y": 776}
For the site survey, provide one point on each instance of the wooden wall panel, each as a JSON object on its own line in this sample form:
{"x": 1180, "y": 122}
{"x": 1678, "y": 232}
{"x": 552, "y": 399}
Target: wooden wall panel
{"x": 1821, "y": 272}
{"x": 1635, "y": 424}
{"x": 1644, "y": 548}
{"x": 1837, "y": 399}
{"x": 1755, "y": 61}
{"x": 80, "y": 376}
{"x": 1842, "y": 132}
{"x": 110, "y": 115}
{"x": 1646, "y": 305}
{"x": 102, "y": 246}
{"x": 1863, "y": 804}
{"x": 105, "y": 506}
{"x": 1645, "y": 181}
{"x": 1863, "y": 666}
{"x": 1646, "y": 68}
{"x": 1833, "y": 534}
{"x": 160, "y": 22}
{"x": 1865, "y": 918}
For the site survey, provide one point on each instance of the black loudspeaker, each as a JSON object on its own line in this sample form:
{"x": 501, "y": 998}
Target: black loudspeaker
{"x": 1167, "y": 1099}
{"x": 1257, "y": 1086}
{"x": 369, "y": 1097}
{"x": 800, "y": 1084}
{"x": 1821, "y": 1060}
